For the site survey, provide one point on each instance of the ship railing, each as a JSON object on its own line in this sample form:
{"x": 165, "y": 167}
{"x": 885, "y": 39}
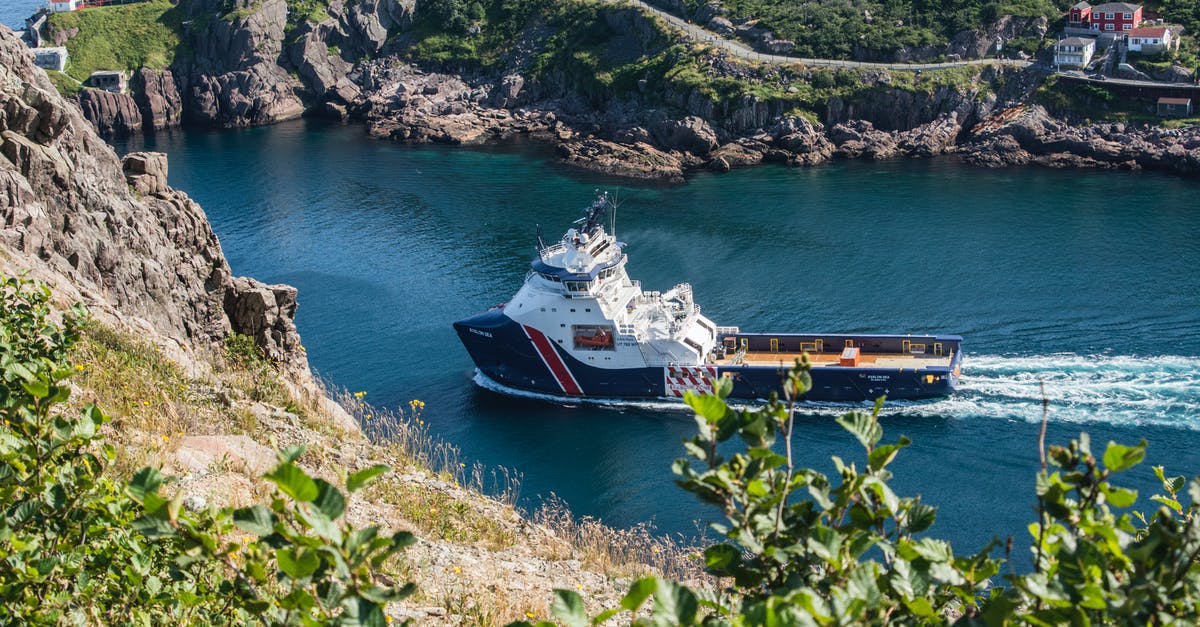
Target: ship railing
{"x": 728, "y": 330}
{"x": 551, "y": 250}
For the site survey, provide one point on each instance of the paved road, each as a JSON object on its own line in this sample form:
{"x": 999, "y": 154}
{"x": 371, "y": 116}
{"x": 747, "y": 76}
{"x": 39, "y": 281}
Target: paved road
{"x": 743, "y": 51}
{"x": 1125, "y": 81}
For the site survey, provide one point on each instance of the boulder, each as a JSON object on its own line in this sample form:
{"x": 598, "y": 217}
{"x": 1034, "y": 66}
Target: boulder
{"x": 265, "y": 313}
{"x": 691, "y": 134}
{"x": 146, "y": 172}
{"x": 202, "y": 454}
{"x": 859, "y": 139}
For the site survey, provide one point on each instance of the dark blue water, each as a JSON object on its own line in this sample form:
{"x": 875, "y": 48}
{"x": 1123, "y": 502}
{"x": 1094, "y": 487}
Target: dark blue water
{"x": 1084, "y": 280}
{"x": 14, "y": 12}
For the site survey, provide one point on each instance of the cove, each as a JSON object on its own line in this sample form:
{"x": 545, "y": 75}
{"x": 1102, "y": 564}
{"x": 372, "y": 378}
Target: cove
{"x": 1082, "y": 280}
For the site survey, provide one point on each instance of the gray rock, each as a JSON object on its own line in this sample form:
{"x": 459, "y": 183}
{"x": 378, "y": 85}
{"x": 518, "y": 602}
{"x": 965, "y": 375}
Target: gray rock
{"x": 146, "y": 172}
{"x": 110, "y": 113}
{"x": 691, "y": 134}
{"x": 158, "y": 97}
{"x": 145, "y": 255}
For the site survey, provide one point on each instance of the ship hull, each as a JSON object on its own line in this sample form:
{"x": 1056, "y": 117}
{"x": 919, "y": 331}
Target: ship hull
{"x": 512, "y": 356}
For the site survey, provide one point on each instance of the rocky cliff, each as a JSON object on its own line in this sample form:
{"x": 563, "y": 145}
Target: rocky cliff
{"x": 691, "y": 108}
{"x": 112, "y": 232}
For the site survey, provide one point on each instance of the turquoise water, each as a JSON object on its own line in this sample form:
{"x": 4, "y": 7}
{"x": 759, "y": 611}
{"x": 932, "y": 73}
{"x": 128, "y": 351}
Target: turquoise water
{"x": 1084, "y": 280}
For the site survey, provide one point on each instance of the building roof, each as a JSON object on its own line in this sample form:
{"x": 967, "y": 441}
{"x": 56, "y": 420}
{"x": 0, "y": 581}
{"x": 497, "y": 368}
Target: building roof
{"x": 1152, "y": 31}
{"x": 1077, "y": 41}
{"x": 1081, "y": 5}
{"x": 1116, "y": 7}
{"x": 1175, "y": 101}
{"x": 50, "y": 50}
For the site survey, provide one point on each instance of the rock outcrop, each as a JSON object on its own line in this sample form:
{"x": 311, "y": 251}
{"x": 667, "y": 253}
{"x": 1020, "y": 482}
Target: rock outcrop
{"x": 235, "y": 78}
{"x": 114, "y": 233}
{"x": 157, "y": 95}
{"x": 1024, "y": 135}
{"x": 111, "y": 113}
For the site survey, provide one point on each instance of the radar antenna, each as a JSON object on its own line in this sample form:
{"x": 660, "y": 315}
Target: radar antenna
{"x": 593, "y": 216}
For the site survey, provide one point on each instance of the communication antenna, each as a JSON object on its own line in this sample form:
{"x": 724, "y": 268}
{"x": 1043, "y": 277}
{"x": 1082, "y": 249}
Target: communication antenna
{"x": 541, "y": 242}
{"x": 612, "y": 218}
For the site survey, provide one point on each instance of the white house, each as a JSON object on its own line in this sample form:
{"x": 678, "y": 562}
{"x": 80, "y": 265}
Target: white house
{"x": 1074, "y": 51}
{"x": 51, "y": 58}
{"x": 1151, "y": 39}
{"x": 59, "y": 6}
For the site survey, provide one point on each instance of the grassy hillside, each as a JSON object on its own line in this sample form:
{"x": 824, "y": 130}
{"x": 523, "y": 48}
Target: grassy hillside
{"x": 835, "y": 28}
{"x": 122, "y": 37}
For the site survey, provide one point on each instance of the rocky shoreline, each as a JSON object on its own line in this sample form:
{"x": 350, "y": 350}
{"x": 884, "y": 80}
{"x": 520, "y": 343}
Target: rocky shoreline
{"x": 259, "y": 68}
{"x": 405, "y": 104}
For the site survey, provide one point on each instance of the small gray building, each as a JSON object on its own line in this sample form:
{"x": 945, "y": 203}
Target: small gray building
{"x": 1074, "y": 52}
{"x": 108, "y": 80}
{"x": 1174, "y": 107}
{"x": 51, "y": 58}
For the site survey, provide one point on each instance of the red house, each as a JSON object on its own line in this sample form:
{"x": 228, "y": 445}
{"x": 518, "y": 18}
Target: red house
{"x": 1116, "y": 17}
{"x": 1080, "y": 16}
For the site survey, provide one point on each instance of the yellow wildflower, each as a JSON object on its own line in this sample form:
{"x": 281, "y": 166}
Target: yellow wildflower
{"x": 166, "y": 438}
{"x": 79, "y": 367}
{"x": 146, "y": 403}
{"x": 528, "y": 614}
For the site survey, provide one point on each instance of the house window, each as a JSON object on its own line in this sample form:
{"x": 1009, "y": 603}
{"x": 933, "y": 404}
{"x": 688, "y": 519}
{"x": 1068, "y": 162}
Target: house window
{"x": 1126, "y": 26}
{"x": 1108, "y": 16}
{"x": 1128, "y": 16}
{"x": 1110, "y": 27}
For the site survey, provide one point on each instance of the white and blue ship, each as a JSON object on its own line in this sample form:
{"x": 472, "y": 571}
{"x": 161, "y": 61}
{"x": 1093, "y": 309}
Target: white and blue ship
{"x": 580, "y": 327}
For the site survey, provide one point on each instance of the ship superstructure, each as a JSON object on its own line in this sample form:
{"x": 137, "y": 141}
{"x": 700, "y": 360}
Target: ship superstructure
{"x": 579, "y": 326}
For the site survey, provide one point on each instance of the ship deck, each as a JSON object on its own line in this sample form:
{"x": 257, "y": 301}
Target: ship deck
{"x": 820, "y": 360}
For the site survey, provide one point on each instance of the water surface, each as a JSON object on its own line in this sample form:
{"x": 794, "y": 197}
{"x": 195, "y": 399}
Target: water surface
{"x": 1085, "y": 281}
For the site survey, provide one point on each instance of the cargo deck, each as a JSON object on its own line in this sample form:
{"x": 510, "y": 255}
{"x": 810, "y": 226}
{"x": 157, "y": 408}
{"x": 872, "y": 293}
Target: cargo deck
{"x": 821, "y": 360}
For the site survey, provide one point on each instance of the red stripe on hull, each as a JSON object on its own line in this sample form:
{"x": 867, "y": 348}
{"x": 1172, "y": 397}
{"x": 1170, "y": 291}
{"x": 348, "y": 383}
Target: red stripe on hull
{"x": 555, "y": 363}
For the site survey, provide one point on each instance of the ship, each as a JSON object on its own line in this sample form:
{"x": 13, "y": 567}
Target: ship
{"x": 580, "y": 328}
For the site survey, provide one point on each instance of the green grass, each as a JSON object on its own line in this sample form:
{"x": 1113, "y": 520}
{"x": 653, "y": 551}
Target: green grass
{"x": 67, "y": 86}
{"x": 244, "y": 12}
{"x": 122, "y": 37}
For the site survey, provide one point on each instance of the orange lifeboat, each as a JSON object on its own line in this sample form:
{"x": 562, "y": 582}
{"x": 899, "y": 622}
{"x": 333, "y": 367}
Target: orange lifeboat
{"x": 599, "y": 339}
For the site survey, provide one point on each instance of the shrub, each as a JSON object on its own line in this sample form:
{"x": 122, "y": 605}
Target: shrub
{"x": 802, "y": 549}
{"x": 80, "y": 546}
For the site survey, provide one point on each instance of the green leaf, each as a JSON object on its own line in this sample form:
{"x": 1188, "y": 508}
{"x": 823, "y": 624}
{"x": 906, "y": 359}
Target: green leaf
{"x": 921, "y": 517}
{"x": 257, "y": 520}
{"x": 298, "y": 562}
{"x": 719, "y": 558}
{"x": 359, "y": 480}
{"x": 1171, "y": 503}
{"x": 38, "y": 388}
{"x": 403, "y": 539}
{"x": 638, "y": 593}
{"x": 568, "y": 608}
{"x": 145, "y": 481}
{"x": 882, "y": 456}
{"x": 675, "y": 601}
{"x": 1118, "y": 497}
{"x": 292, "y": 453}
{"x": 294, "y": 482}
{"x": 1118, "y": 457}
{"x": 711, "y": 407}
{"x": 865, "y": 427}
{"x": 329, "y": 500}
